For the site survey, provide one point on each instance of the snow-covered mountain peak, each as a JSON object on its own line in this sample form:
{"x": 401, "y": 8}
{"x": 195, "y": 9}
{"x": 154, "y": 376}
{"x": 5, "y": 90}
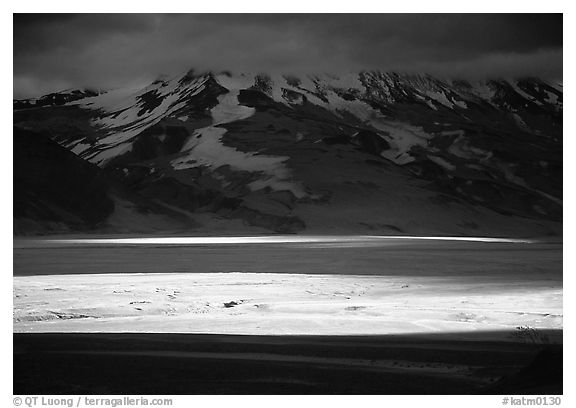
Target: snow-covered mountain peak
{"x": 285, "y": 139}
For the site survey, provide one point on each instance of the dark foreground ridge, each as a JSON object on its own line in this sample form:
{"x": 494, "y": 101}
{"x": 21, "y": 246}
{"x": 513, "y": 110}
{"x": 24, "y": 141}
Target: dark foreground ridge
{"x": 127, "y": 363}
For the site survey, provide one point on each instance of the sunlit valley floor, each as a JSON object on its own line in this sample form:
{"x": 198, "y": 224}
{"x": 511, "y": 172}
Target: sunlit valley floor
{"x": 261, "y": 303}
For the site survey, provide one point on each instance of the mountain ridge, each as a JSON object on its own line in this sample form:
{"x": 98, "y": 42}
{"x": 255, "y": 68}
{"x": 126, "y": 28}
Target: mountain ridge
{"x": 289, "y": 153}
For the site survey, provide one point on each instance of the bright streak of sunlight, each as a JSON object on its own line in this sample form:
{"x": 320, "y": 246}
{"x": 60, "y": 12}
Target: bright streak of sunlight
{"x": 276, "y": 239}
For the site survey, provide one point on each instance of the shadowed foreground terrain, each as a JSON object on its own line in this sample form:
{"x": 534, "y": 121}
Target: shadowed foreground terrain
{"x": 127, "y": 363}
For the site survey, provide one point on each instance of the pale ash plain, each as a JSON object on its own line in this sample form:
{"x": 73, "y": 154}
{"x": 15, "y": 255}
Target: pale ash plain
{"x": 329, "y": 290}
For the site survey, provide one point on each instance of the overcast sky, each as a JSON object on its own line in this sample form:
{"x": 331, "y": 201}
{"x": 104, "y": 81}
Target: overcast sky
{"x": 55, "y": 52}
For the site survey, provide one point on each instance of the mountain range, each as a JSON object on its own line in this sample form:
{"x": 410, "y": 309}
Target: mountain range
{"x": 368, "y": 153}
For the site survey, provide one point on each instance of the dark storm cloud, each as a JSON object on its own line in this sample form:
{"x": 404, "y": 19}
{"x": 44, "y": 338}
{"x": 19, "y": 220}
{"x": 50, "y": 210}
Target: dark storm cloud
{"x": 53, "y": 52}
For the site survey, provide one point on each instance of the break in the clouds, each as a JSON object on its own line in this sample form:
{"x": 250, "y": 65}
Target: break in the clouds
{"x": 54, "y": 52}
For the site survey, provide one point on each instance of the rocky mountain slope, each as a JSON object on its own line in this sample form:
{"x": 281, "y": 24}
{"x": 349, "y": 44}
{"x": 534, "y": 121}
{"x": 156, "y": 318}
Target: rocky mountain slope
{"x": 378, "y": 153}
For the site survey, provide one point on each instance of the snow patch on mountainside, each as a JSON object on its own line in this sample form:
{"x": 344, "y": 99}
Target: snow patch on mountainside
{"x": 126, "y": 123}
{"x": 205, "y": 146}
{"x": 228, "y": 108}
{"x": 110, "y": 101}
{"x": 79, "y": 147}
{"x": 359, "y": 109}
{"x": 402, "y": 138}
{"x": 440, "y": 97}
{"x": 108, "y": 153}
{"x": 125, "y": 114}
